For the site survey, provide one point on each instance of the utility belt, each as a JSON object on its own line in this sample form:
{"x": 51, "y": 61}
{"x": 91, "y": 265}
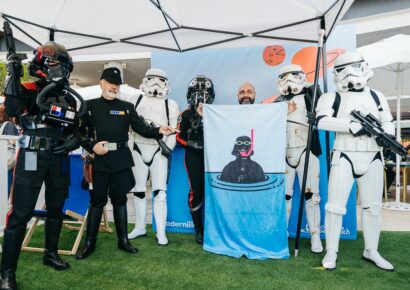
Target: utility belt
{"x": 346, "y": 142}
{"x": 142, "y": 140}
{"x": 112, "y": 146}
{"x": 39, "y": 143}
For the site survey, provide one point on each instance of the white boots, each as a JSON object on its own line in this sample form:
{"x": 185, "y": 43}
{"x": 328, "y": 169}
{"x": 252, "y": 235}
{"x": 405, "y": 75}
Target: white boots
{"x": 160, "y": 215}
{"x": 140, "y": 218}
{"x": 333, "y": 226}
{"x": 313, "y": 219}
{"x": 288, "y": 209}
{"x": 371, "y": 234}
{"x": 372, "y": 255}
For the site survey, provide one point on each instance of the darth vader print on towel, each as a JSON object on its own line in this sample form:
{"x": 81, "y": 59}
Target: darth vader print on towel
{"x": 243, "y": 169}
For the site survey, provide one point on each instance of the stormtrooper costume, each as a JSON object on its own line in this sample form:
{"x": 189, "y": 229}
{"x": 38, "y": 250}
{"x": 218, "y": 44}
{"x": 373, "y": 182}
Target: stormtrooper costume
{"x": 154, "y": 107}
{"x": 293, "y": 88}
{"x": 355, "y": 155}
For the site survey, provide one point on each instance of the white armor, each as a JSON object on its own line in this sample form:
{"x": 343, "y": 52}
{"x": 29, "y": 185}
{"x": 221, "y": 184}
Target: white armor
{"x": 297, "y": 130}
{"x": 152, "y": 108}
{"x": 155, "y": 83}
{"x": 353, "y": 158}
{"x": 351, "y": 71}
{"x": 291, "y": 80}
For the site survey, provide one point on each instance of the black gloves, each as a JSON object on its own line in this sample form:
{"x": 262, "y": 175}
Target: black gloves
{"x": 72, "y": 143}
{"x": 311, "y": 116}
{"x": 195, "y": 145}
{"x": 356, "y": 129}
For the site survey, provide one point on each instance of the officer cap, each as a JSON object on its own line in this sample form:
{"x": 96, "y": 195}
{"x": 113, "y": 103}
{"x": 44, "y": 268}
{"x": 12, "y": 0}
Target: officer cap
{"x": 112, "y": 75}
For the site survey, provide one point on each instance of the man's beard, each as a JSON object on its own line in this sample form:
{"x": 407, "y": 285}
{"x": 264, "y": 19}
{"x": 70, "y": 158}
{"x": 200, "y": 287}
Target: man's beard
{"x": 110, "y": 95}
{"x": 246, "y": 101}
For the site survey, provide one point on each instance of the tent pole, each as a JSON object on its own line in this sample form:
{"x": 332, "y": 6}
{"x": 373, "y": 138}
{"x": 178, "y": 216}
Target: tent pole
{"x": 327, "y": 134}
{"x": 308, "y": 147}
{"x": 398, "y": 131}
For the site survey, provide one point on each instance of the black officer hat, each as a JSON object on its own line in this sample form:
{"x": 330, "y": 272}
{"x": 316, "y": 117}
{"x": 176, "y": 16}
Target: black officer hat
{"x": 112, "y": 75}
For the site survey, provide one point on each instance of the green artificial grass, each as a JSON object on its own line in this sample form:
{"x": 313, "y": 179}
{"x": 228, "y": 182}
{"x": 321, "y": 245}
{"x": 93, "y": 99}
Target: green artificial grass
{"x": 184, "y": 265}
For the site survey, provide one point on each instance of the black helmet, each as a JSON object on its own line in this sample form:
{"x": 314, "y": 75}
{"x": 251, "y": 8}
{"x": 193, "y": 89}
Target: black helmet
{"x": 200, "y": 90}
{"x": 243, "y": 147}
{"x": 51, "y": 61}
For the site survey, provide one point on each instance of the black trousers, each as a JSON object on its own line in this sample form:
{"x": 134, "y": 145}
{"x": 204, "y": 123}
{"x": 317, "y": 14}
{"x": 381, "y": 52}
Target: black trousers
{"x": 390, "y": 177}
{"x": 116, "y": 185}
{"x": 54, "y": 171}
{"x": 194, "y": 163}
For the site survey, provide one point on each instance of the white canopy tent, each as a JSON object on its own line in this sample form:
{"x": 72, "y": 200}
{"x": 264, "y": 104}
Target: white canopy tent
{"x": 391, "y": 58}
{"x": 101, "y": 26}
{"x": 95, "y": 27}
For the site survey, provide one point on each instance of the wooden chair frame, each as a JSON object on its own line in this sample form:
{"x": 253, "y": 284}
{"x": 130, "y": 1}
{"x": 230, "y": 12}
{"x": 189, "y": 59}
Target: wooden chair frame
{"x": 78, "y": 223}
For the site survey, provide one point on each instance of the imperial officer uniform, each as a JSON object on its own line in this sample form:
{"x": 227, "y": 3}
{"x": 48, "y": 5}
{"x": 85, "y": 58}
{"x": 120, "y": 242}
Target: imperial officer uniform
{"x": 109, "y": 120}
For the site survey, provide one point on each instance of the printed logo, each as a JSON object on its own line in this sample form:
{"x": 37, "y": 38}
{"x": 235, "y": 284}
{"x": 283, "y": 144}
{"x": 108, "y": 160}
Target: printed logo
{"x": 187, "y": 224}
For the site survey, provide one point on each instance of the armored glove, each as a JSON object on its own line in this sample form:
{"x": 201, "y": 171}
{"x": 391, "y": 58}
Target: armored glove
{"x": 195, "y": 145}
{"x": 72, "y": 143}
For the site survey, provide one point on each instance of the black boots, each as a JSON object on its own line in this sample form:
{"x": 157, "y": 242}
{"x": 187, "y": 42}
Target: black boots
{"x": 8, "y": 280}
{"x": 121, "y": 226}
{"x": 93, "y": 225}
{"x": 199, "y": 228}
{"x": 13, "y": 239}
{"x": 51, "y": 257}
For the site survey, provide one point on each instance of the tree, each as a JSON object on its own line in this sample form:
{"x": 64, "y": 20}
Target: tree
{"x": 3, "y": 74}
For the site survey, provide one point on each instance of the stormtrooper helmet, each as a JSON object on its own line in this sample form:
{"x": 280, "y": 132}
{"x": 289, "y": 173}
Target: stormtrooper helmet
{"x": 155, "y": 83}
{"x": 291, "y": 80}
{"x": 351, "y": 72}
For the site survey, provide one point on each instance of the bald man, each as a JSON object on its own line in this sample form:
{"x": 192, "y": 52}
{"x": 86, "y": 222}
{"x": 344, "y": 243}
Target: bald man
{"x": 246, "y": 94}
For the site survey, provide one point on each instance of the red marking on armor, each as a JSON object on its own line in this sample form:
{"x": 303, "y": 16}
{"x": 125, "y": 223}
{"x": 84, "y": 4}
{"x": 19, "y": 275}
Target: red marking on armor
{"x": 7, "y": 216}
{"x": 178, "y": 137}
{"x": 246, "y": 154}
{"x": 191, "y": 192}
{"x": 12, "y": 190}
{"x": 31, "y": 86}
{"x": 39, "y": 54}
{"x": 40, "y": 73}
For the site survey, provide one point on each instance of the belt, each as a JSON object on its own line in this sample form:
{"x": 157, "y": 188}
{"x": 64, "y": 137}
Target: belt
{"x": 112, "y": 146}
{"x": 39, "y": 143}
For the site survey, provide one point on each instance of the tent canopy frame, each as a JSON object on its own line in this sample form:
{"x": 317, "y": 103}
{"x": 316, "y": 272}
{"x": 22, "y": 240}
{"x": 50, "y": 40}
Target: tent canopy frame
{"x": 133, "y": 39}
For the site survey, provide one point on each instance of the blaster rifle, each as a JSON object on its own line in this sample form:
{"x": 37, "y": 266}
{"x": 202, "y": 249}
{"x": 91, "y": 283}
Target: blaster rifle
{"x": 165, "y": 150}
{"x": 14, "y": 67}
{"x": 374, "y": 127}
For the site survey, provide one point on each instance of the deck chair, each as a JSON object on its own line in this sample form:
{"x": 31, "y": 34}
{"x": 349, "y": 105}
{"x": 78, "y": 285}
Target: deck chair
{"x": 75, "y": 212}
